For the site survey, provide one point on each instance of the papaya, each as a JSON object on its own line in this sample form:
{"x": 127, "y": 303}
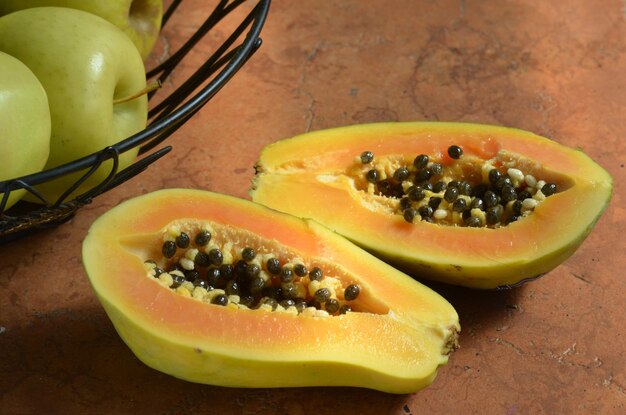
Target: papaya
{"x": 473, "y": 205}
{"x": 219, "y": 290}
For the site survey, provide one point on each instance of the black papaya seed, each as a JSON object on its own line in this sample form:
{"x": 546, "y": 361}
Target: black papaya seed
{"x": 351, "y": 292}
{"x": 169, "y": 249}
{"x": 455, "y": 152}
{"x": 367, "y": 157}
{"x": 182, "y": 240}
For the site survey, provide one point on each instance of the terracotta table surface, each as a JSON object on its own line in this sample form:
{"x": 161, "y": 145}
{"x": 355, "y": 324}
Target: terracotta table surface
{"x": 553, "y": 346}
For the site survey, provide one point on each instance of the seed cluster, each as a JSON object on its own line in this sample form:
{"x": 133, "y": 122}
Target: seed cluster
{"x": 225, "y": 275}
{"x": 426, "y": 193}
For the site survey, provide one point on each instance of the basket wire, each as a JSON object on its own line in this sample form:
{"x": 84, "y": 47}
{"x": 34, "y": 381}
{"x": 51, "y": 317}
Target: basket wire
{"x": 165, "y": 117}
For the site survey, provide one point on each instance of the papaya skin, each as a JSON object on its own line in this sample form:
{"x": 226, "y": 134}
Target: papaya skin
{"x": 395, "y": 344}
{"x": 311, "y": 169}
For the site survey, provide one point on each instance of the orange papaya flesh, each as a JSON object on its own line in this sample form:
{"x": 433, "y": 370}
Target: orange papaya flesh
{"x": 319, "y": 175}
{"x": 394, "y": 340}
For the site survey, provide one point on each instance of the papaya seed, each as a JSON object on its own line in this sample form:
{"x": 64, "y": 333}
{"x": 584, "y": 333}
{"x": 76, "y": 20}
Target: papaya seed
{"x": 273, "y": 266}
{"x": 316, "y": 274}
{"x": 416, "y": 194}
{"x": 451, "y": 194}
{"x": 372, "y": 176}
{"x": 344, "y": 309}
{"x": 220, "y": 299}
{"x": 300, "y": 270}
{"x": 212, "y": 276}
{"x": 420, "y": 161}
{"x": 202, "y": 259}
{"x": 425, "y": 211}
{"x": 248, "y": 254}
{"x": 436, "y": 169}
{"x": 177, "y": 281}
{"x": 490, "y": 199}
{"x": 201, "y": 283}
{"x": 477, "y": 204}
{"x": 548, "y": 189}
{"x": 524, "y": 194}
{"x": 439, "y": 187}
{"x": 202, "y": 238}
{"x": 332, "y": 305}
{"x": 216, "y": 257}
{"x": 322, "y": 295}
{"x": 286, "y": 274}
{"x": 401, "y": 174}
{"x": 351, "y": 292}
{"x": 508, "y": 193}
{"x": 367, "y": 157}
{"x": 409, "y": 214}
{"x": 494, "y": 176}
{"x": 503, "y": 181}
{"x": 492, "y": 216}
{"x": 226, "y": 271}
{"x": 455, "y": 152}
{"x": 426, "y": 186}
{"x": 183, "y": 240}
{"x": 423, "y": 175}
{"x": 168, "y": 249}
{"x": 191, "y": 275}
{"x": 460, "y": 205}
{"x": 465, "y": 188}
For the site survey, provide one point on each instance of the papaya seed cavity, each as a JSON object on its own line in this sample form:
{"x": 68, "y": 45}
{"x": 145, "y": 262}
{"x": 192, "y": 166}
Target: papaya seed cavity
{"x": 228, "y": 270}
{"x": 461, "y": 191}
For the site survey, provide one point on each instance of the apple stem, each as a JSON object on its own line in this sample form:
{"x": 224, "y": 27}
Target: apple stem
{"x": 149, "y": 88}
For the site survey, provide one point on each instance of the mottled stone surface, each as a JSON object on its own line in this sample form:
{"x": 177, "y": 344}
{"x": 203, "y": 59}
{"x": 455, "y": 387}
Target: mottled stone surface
{"x": 554, "y": 346}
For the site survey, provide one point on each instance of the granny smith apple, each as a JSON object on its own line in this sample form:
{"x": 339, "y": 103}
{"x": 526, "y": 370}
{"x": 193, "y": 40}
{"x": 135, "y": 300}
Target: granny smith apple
{"x": 85, "y": 64}
{"x": 139, "y": 19}
{"x": 24, "y": 123}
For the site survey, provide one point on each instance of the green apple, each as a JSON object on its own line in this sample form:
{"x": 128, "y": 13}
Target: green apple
{"x": 139, "y": 19}
{"x": 85, "y": 64}
{"x": 24, "y": 123}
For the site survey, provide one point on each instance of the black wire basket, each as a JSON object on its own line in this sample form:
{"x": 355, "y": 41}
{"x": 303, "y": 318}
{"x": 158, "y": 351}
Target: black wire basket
{"x": 165, "y": 117}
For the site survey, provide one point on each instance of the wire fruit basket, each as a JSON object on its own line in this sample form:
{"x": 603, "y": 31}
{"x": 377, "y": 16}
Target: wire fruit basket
{"x": 165, "y": 117}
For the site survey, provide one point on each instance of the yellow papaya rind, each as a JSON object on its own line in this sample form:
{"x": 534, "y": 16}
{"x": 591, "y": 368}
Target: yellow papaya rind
{"x": 397, "y": 349}
{"x": 311, "y": 167}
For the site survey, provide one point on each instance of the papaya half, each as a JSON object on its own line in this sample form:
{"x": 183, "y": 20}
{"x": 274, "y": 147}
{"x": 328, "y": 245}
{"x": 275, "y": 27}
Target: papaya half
{"x": 473, "y": 205}
{"x": 219, "y": 290}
